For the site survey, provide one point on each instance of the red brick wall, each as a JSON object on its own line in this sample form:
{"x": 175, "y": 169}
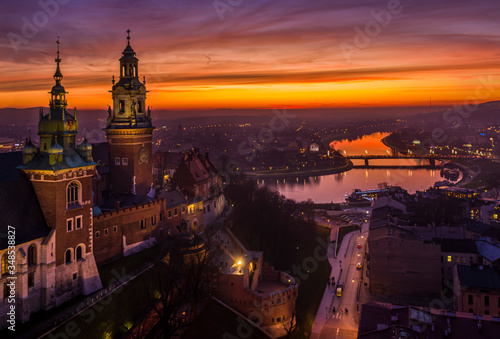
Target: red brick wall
{"x": 127, "y": 222}
{"x": 121, "y": 176}
{"x": 52, "y": 197}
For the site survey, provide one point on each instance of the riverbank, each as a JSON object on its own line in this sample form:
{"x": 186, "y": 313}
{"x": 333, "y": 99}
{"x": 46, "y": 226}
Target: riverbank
{"x": 287, "y": 173}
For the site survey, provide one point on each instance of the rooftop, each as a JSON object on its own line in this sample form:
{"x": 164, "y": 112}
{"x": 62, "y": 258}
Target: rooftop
{"x": 488, "y": 248}
{"x": 380, "y": 321}
{"x": 479, "y": 277}
{"x": 19, "y": 208}
{"x": 457, "y": 245}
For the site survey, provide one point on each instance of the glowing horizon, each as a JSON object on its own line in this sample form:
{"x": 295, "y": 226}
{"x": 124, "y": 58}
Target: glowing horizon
{"x": 260, "y": 55}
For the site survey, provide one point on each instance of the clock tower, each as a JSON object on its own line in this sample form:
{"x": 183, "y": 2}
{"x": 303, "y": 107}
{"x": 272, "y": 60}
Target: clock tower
{"x": 129, "y": 131}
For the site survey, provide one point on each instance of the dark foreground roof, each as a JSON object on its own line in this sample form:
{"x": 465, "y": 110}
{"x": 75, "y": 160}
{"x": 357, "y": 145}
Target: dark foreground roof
{"x": 19, "y": 207}
{"x": 8, "y": 163}
{"x": 386, "y": 321}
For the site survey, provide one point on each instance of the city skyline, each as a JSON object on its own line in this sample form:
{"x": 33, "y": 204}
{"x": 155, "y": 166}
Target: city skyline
{"x": 245, "y": 55}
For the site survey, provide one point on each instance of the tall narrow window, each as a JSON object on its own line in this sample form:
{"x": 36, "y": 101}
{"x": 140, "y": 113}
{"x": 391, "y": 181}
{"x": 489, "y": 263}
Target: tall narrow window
{"x": 73, "y": 194}
{"x": 67, "y": 256}
{"x": 78, "y": 222}
{"x": 122, "y": 106}
{"x": 32, "y": 255}
{"x": 79, "y": 252}
{"x": 31, "y": 279}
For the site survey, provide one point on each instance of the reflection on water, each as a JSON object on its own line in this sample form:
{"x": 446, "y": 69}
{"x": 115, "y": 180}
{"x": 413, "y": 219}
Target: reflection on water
{"x": 334, "y": 187}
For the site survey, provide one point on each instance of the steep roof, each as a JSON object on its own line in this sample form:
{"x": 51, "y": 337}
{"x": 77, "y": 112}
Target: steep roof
{"x": 173, "y": 198}
{"x": 19, "y": 208}
{"x": 10, "y": 161}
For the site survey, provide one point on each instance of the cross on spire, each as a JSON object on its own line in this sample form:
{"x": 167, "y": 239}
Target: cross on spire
{"x": 128, "y": 37}
{"x": 58, "y": 43}
{"x": 58, "y": 75}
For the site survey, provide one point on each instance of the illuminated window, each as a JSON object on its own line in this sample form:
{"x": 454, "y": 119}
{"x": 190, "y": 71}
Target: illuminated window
{"x": 5, "y": 265}
{"x": 449, "y": 258}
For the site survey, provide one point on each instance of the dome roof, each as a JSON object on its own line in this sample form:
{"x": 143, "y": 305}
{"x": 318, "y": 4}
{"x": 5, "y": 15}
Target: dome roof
{"x": 29, "y": 148}
{"x": 58, "y": 88}
{"x": 85, "y": 146}
{"x": 56, "y": 149}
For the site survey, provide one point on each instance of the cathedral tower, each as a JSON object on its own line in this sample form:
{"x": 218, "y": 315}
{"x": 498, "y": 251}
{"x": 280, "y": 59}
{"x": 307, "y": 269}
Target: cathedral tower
{"x": 129, "y": 131}
{"x": 61, "y": 174}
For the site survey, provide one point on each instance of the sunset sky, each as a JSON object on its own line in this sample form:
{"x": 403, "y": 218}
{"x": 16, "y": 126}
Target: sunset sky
{"x": 253, "y": 53}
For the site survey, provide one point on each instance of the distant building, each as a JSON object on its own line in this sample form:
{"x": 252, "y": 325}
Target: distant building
{"x": 401, "y": 265}
{"x": 6, "y": 144}
{"x": 477, "y": 289}
{"x": 254, "y": 288}
{"x": 388, "y": 321}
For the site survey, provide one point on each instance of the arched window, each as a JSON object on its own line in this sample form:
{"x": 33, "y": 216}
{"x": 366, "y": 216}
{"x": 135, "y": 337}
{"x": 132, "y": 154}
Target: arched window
{"x": 5, "y": 265}
{"x": 73, "y": 193}
{"x": 67, "y": 256}
{"x": 79, "y": 252}
{"x": 32, "y": 255}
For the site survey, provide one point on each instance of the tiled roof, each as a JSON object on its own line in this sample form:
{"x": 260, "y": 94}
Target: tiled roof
{"x": 488, "y": 248}
{"x": 19, "y": 207}
{"x": 71, "y": 159}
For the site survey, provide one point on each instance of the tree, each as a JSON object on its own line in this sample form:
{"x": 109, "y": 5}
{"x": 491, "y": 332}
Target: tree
{"x": 290, "y": 327}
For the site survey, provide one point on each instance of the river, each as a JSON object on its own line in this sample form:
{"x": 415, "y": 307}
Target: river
{"x": 333, "y": 188}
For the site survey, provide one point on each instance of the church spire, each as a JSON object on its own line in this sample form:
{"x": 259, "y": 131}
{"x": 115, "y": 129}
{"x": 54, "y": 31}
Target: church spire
{"x": 58, "y": 74}
{"x": 128, "y": 37}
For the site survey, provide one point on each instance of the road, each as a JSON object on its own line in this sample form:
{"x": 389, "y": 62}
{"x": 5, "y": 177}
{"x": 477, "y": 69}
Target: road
{"x": 338, "y": 323}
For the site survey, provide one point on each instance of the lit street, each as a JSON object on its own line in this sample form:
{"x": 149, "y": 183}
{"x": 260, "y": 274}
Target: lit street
{"x": 338, "y": 323}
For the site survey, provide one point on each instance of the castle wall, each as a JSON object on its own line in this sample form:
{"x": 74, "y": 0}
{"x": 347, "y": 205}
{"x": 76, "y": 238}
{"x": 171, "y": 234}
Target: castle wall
{"x": 110, "y": 228}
